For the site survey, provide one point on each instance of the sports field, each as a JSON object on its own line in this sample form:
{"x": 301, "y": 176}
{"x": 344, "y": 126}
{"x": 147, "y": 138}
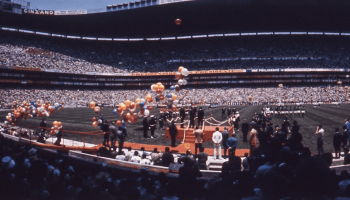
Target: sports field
{"x": 79, "y": 119}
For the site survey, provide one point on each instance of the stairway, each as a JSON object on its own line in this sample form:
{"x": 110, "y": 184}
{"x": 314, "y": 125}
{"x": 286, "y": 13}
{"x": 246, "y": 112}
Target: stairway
{"x": 190, "y": 137}
{"x": 216, "y": 165}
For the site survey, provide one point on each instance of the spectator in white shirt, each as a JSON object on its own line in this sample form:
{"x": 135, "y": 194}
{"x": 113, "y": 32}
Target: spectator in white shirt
{"x": 217, "y": 138}
{"x": 144, "y": 160}
{"x": 136, "y": 158}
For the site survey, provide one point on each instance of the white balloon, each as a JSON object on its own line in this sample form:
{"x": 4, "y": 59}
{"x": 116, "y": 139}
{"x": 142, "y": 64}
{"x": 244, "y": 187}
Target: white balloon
{"x": 56, "y": 131}
{"x": 56, "y": 104}
{"x": 41, "y": 101}
{"x": 180, "y": 81}
{"x": 143, "y": 100}
{"x": 176, "y": 101}
{"x": 146, "y": 112}
{"x": 185, "y": 82}
{"x": 152, "y": 87}
{"x": 184, "y": 72}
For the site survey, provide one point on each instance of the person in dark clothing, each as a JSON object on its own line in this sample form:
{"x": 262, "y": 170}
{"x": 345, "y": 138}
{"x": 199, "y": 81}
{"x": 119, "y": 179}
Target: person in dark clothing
{"x": 161, "y": 121}
{"x": 43, "y": 124}
{"x": 173, "y": 133}
{"x": 225, "y": 136}
{"x": 200, "y": 117}
{"x": 269, "y": 129}
{"x": 59, "y": 136}
{"x": 231, "y": 143}
{"x": 233, "y": 164}
{"x": 113, "y": 133}
{"x": 145, "y": 127}
{"x": 121, "y": 138}
{"x": 337, "y": 140}
{"x": 167, "y": 157}
{"x": 152, "y": 125}
{"x": 345, "y": 140}
{"x": 105, "y": 129}
{"x": 188, "y": 178}
{"x": 295, "y": 128}
{"x": 202, "y": 159}
{"x": 192, "y": 116}
{"x": 182, "y": 116}
{"x": 286, "y": 120}
{"x": 245, "y": 130}
{"x": 229, "y": 112}
{"x": 223, "y": 111}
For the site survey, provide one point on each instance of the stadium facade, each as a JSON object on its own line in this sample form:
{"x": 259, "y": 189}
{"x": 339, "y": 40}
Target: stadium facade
{"x": 156, "y": 18}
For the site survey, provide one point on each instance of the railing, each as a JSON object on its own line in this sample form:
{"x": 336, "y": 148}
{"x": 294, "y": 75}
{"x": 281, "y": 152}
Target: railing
{"x": 95, "y": 134}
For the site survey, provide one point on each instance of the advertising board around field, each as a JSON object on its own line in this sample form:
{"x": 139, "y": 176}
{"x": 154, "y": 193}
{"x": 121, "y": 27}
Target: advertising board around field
{"x": 71, "y": 12}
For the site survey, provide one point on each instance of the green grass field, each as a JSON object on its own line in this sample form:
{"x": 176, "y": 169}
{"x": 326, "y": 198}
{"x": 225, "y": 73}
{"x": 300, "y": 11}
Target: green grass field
{"x": 79, "y": 119}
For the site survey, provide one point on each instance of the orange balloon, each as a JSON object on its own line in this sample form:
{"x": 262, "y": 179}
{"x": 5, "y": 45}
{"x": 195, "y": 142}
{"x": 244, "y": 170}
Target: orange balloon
{"x": 127, "y": 103}
{"x": 59, "y": 124}
{"x": 54, "y": 123}
{"x": 92, "y": 105}
{"x": 119, "y": 123}
{"x": 178, "y": 21}
{"x": 149, "y": 98}
{"x": 138, "y": 100}
{"x": 180, "y": 69}
{"x": 122, "y": 106}
{"x": 173, "y": 107}
{"x": 159, "y": 83}
{"x": 94, "y": 119}
{"x": 97, "y": 109}
{"x": 142, "y": 111}
{"x": 134, "y": 115}
{"x": 174, "y": 97}
{"x": 158, "y": 91}
{"x": 95, "y": 123}
{"x": 178, "y": 75}
{"x": 51, "y": 132}
{"x": 132, "y": 106}
{"x": 161, "y": 88}
{"x": 128, "y": 116}
{"x": 155, "y": 87}
{"x": 150, "y": 108}
{"x": 119, "y": 111}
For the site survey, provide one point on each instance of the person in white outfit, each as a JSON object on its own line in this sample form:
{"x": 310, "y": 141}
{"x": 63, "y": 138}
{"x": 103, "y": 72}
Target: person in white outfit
{"x": 217, "y": 138}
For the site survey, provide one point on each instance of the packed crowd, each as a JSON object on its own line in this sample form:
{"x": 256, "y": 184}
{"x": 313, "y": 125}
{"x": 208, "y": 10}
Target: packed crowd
{"x": 231, "y": 96}
{"x": 81, "y": 57}
{"x": 275, "y": 171}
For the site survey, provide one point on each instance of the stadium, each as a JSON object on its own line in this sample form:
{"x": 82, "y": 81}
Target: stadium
{"x": 165, "y": 99}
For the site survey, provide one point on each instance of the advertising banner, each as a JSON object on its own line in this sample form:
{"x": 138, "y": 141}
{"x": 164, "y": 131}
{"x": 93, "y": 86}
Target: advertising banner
{"x": 70, "y": 12}
{"x": 38, "y": 12}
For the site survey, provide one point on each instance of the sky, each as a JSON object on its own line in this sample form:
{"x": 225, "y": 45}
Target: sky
{"x": 71, "y": 4}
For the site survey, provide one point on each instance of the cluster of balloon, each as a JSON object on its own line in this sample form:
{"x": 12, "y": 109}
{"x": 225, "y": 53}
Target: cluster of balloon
{"x": 159, "y": 87}
{"x": 56, "y": 127}
{"x": 37, "y": 108}
{"x": 180, "y": 74}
